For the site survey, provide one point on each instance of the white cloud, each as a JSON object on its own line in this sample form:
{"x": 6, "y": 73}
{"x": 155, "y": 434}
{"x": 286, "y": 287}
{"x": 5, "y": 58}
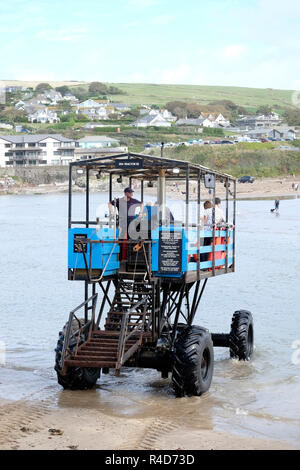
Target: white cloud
{"x": 162, "y": 19}
{"x": 233, "y": 51}
{"x": 143, "y": 3}
{"x": 178, "y": 75}
{"x": 34, "y": 75}
{"x": 65, "y": 35}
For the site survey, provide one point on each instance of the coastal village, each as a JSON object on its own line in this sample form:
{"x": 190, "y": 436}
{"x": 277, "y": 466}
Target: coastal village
{"x": 27, "y": 138}
{"x": 150, "y": 200}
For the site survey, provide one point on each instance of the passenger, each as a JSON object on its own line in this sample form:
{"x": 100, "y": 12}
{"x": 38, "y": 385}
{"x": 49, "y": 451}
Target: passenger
{"x": 169, "y": 216}
{"x": 126, "y": 208}
{"x": 207, "y": 219}
{"x": 219, "y": 215}
{"x": 208, "y": 222}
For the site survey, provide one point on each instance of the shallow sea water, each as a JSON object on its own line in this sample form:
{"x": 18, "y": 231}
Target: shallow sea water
{"x": 258, "y": 398}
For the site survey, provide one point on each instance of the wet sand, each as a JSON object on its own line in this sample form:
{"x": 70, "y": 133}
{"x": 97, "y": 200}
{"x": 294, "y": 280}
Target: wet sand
{"x": 43, "y": 426}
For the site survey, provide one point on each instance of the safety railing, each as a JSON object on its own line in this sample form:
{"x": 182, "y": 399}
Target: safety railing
{"x": 85, "y": 329}
{"x": 122, "y": 357}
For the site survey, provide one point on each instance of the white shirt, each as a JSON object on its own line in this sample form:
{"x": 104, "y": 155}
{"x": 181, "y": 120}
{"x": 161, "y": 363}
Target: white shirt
{"x": 219, "y": 215}
{"x": 208, "y": 214}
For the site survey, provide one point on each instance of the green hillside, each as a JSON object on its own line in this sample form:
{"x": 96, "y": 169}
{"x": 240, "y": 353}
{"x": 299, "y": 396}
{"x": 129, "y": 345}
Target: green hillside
{"x": 142, "y": 93}
{"x": 160, "y": 94}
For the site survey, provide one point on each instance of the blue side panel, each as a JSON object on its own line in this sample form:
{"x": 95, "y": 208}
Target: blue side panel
{"x": 189, "y": 248}
{"x": 100, "y": 252}
{"x": 155, "y": 251}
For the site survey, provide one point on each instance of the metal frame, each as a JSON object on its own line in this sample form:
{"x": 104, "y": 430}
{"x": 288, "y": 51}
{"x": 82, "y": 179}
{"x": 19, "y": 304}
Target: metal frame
{"x": 168, "y": 296}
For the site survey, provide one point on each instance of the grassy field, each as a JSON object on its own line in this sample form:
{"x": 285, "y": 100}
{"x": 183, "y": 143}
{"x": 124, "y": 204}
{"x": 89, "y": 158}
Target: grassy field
{"x": 238, "y": 160}
{"x": 142, "y": 93}
{"x": 161, "y": 94}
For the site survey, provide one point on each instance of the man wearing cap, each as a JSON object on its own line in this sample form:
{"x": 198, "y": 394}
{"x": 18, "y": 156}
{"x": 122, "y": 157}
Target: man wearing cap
{"x": 126, "y": 208}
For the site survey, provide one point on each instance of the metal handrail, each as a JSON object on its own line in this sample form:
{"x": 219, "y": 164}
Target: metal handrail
{"x": 123, "y": 338}
{"x": 81, "y": 329}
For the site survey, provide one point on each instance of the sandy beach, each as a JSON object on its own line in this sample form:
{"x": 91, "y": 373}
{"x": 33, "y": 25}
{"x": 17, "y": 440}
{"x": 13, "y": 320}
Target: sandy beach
{"x": 42, "y": 426}
{"x": 261, "y": 188}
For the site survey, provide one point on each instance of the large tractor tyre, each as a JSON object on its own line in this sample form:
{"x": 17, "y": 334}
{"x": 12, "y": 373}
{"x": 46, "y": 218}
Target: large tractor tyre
{"x": 76, "y": 378}
{"x": 241, "y": 336}
{"x": 193, "y": 362}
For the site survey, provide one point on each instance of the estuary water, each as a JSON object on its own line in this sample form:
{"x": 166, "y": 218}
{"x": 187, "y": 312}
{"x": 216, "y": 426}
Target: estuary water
{"x": 260, "y": 398}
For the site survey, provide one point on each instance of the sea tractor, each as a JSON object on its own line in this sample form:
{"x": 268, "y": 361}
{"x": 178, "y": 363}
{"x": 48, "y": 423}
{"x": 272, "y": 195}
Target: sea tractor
{"x": 142, "y": 291}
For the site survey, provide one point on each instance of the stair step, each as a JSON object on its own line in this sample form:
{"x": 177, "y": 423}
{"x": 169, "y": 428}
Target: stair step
{"x": 109, "y": 357}
{"x": 126, "y": 304}
{"x": 132, "y": 313}
{"x": 100, "y": 346}
{"x": 99, "y": 334}
{"x": 128, "y": 324}
{"x": 95, "y": 363}
{"x": 92, "y": 352}
{"x": 135, "y": 293}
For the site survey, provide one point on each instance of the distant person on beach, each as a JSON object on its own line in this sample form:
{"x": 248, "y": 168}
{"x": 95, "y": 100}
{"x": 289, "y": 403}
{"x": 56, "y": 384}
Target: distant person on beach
{"x": 276, "y": 205}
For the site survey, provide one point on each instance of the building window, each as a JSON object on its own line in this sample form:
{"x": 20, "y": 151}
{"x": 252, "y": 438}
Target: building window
{"x": 43, "y": 144}
{"x": 56, "y": 144}
{"x": 8, "y": 146}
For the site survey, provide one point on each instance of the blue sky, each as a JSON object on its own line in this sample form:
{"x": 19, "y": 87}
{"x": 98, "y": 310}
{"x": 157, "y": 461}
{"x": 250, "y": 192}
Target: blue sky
{"x": 253, "y": 43}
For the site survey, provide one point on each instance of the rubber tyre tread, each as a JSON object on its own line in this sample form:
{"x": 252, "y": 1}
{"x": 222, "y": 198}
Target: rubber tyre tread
{"x": 77, "y": 378}
{"x": 188, "y": 349}
{"x": 239, "y": 345}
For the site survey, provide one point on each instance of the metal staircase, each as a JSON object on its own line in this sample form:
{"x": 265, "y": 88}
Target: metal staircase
{"x": 127, "y": 326}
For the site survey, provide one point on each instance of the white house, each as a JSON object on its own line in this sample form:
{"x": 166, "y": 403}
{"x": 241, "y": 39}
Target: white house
{"x": 214, "y": 120}
{"x": 167, "y": 115}
{"x": 98, "y": 113}
{"x": 20, "y": 105}
{"x": 69, "y": 97}
{"x": 43, "y": 116}
{"x": 156, "y": 120}
{"x": 39, "y": 149}
{"x": 53, "y": 95}
{"x": 88, "y": 104}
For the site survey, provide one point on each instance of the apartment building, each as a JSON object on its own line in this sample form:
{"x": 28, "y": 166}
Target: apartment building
{"x": 39, "y": 149}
